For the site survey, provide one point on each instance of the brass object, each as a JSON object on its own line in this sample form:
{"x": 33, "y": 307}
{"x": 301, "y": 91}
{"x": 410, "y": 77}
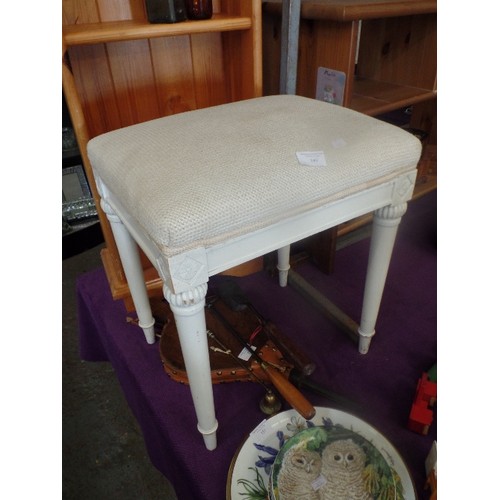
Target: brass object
{"x": 270, "y": 404}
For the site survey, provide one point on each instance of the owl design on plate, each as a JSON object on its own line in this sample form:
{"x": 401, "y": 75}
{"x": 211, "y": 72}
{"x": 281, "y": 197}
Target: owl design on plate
{"x": 343, "y": 463}
{"x": 300, "y": 467}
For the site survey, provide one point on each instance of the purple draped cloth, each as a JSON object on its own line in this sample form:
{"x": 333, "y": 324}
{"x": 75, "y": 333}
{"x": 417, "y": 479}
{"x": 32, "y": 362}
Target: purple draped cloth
{"x": 383, "y": 382}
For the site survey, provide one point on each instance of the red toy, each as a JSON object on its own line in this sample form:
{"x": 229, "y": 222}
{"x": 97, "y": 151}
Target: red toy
{"x": 425, "y": 396}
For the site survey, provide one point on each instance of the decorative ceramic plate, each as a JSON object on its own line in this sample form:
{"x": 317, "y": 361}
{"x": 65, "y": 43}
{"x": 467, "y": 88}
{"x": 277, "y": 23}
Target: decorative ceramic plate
{"x": 383, "y": 472}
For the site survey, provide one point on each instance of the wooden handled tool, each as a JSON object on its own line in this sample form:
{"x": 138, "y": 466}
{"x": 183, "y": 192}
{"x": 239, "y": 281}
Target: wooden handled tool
{"x": 290, "y": 351}
{"x": 287, "y": 390}
{"x": 340, "y": 401}
{"x": 234, "y": 298}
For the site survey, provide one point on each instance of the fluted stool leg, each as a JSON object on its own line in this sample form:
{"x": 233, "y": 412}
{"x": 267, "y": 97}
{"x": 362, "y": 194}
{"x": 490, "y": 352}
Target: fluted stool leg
{"x": 131, "y": 262}
{"x": 385, "y": 226}
{"x": 189, "y": 313}
{"x": 283, "y": 264}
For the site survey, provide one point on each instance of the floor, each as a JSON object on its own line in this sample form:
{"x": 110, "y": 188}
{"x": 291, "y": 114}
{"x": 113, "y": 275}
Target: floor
{"x": 103, "y": 450}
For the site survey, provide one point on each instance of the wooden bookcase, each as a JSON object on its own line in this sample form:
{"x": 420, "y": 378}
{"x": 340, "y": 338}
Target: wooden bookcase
{"x": 119, "y": 70}
{"x": 386, "y": 48}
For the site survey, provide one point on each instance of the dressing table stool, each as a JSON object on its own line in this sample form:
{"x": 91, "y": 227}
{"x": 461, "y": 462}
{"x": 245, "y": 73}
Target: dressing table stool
{"x": 203, "y": 191}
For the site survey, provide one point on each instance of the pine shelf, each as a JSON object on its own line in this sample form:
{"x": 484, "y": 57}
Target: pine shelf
{"x": 118, "y": 31}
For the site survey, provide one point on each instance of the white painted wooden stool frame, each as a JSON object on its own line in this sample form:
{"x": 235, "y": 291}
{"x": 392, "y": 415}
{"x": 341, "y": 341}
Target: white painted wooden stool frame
{"x": 185, "y": 272}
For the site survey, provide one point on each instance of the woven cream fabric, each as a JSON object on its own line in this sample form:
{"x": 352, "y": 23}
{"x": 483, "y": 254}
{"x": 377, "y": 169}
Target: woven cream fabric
{"x": 202, "y": 177}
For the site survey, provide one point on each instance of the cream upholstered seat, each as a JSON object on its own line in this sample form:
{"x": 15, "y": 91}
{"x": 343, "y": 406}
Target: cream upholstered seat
{"x": 199, "y": 178}
{"x": 203, "y": 191}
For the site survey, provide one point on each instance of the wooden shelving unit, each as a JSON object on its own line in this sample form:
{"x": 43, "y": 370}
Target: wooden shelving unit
{"x": 119, "y": 70}
{"x": 373, "y": 97}
{"x": 388, "y": 52}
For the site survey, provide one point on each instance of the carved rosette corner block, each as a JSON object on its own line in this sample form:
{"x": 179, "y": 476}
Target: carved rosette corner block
{"x": 403, "y": 189}
{"x": 110, "y": 213}
{"x": 106, "y": 207}
{"x": 185, "y": 273}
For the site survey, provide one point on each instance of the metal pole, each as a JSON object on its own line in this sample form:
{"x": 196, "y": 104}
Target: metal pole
{"x": 290, "y": 22}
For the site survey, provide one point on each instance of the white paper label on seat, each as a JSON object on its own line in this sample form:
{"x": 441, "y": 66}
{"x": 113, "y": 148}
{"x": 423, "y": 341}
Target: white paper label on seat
{"x": 311, "y": 158}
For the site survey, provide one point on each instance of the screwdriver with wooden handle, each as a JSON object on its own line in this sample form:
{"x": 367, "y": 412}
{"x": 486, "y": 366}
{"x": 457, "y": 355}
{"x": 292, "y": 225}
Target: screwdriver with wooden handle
{"x": 287, "y": 390}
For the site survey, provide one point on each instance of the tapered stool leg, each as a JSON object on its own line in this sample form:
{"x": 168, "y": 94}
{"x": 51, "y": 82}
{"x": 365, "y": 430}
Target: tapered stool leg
{"x": 283, "y": 264}
{"x": 189, "y": 313}
{"x": 131, "y": 261}
{"x": 385, "y": 225}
